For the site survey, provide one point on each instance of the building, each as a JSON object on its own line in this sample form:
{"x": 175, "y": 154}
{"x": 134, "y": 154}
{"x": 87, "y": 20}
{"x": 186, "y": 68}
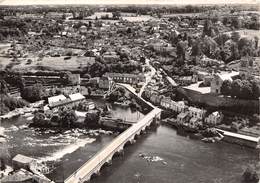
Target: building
{"x": 24, "y": 176}
{"x": 54, "y": 99}
{"x": 74, "y": 79}
{"x": 219, "y": 78}
{"x": 61, "y": 100}
{"x": 156, "y": 98}
{"x": 214, "y": 118}
{"x": 178, "y": 106}
{"x": 187, "y": 80}
{"x": 183, "y": 117}
{"x": 105, "y": 83}
{"x": 126, "y": 78}
{"x": 111, "y": 57}
{"x": 76, "y": 97}
{"x": 166, "y": 102}
{"x": 249, "y": 67}
{"x": 21, "y": 161}
{"x": 205, "y": 61}
{"x": 196, "y": 112}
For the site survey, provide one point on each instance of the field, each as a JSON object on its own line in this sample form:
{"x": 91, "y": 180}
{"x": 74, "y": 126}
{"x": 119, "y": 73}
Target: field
{"x": 49, "y": 63}
{"x": 248, "y": 33}
{"x": 138, "y": 18}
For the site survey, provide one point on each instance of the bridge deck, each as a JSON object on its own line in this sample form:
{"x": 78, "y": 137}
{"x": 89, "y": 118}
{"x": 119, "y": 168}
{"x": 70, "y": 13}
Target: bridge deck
{"x": 87, "y": 169}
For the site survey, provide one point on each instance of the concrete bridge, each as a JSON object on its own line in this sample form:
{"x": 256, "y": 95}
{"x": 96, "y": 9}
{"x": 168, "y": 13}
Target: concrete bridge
{"x": 104, "y": 157}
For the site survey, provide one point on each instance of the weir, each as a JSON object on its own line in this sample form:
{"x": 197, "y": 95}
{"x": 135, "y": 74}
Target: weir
{"x": 104, "y": 156}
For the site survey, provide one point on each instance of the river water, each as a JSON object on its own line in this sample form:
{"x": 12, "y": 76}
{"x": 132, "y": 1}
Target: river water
{"x": 163, "y": 156}
{"x": 160, "y": 155}
{"x": 63, "y": 151}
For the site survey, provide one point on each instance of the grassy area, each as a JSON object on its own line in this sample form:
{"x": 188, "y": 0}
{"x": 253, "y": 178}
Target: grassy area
{"x": 247, "y": 33}
{"x": 49, "y": 63}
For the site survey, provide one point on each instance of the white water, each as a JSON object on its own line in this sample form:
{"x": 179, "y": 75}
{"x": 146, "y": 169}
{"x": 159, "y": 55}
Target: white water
{"x": 67, "y": 150}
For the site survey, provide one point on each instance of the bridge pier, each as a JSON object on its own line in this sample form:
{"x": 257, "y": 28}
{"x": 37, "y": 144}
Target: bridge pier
{"x": 104, "y": 157}
{"x": 132, "y": 141}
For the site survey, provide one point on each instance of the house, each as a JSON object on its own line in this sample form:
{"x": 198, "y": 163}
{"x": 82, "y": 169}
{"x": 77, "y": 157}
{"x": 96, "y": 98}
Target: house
{"x": 214, "y": 118}
{"x": 76, "y": 97}
{"x": 61, "y": 100}
{"x": 249, "y": 67}
{"x": 126, "y": 78}
{"x": 187, "y": 80}
{"x": 196, "y": 112}
{"x": 183, "y": 117}
{"x": 207, "y": 80}
{"x": 202, "y": 75}
{"x": 156, "y": 98}
{"x": 179, "y": 106}
{"x": 60, "y": 103}
{"x": 74, "y": 79}
{"x": 166, "y": 102}
{"x": 91, "y": 105}
{"x": 54, "y": 99}
{"x": 24, "y": 176}
{"x": 219, "y": 78}
{"x": 21, "y": 161}
{"x": 193, "y": 121}
{"x": 205, "y": 61}
{"x": 111, "y": 57}
{"x": 105, "y": 82}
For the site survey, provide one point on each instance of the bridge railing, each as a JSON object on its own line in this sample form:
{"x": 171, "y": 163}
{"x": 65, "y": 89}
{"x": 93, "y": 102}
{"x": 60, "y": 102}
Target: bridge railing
{"x": 91, "y": 166}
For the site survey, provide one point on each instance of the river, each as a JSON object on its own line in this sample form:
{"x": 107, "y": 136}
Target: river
{"x": 160, "y": 155}
{"x": 163, "y": 156}
{"x": 63, "y": 151}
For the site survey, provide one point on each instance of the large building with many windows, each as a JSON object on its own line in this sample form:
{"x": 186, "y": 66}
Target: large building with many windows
{"x": 126, "y": 78}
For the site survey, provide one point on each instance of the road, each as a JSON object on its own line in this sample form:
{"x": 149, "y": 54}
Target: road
{"x": 148, "y": 76}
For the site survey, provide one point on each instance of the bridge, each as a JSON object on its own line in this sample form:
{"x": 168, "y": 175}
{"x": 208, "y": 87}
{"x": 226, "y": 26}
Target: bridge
{"x": 104, "y": 156}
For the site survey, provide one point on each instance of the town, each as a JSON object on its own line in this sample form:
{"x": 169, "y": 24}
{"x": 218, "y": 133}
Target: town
{"x": 90, "y": 80}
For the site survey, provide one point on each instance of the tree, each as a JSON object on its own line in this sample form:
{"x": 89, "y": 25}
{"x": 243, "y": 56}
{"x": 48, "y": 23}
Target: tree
{"x": 234, "y": 52}
{"x": 245, "y": 47}
{"x": 246, "y": 90}
{"x": 92, "y": 119}
{"x": 89, "y": 91}
{"x": 255, "y": 89}
{"x": 33, "y": 93}
{"x": 250, "y": 175}
{"x": 3, "y": 87}
{"x": 39, "y": 119}
{"x": 221, "y": 39}
{"x": 226, "y": 88}
{"x": 235, "y": 36}
{"x": 181, "y": 51}
{"x": 236, "y": 23}
{"x": 256, "y": 39}
{"x": 236, "y": 88}
{"x": 196, "y": 49}
{"x": 207, "y": 30}
{"x": 68, "y": 118}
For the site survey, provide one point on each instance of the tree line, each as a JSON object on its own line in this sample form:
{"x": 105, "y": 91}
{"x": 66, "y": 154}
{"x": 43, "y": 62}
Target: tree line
{"x": 241, "y": 89}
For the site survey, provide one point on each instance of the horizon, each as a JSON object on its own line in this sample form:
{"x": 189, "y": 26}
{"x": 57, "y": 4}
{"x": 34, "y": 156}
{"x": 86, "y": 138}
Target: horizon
{"x": 125, "y": 2}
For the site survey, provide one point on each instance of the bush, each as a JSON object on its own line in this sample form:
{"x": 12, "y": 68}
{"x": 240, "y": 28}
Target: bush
{"x": 39, "y": 119}
{"x": 250, "y": 175}
{"x": 33, "y": 93}
{"x": 92, "y": 119}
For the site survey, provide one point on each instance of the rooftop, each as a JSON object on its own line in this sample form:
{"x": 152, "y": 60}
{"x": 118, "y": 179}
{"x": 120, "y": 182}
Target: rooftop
{"x": 55, "y": 99}
{"x": 227, "y": 76}
{"x": 76, "y": 97}
{"x": 23, "y": 159}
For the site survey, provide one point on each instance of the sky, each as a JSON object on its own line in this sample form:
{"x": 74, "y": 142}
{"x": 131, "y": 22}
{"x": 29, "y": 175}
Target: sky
{"x": 178, "y": 2}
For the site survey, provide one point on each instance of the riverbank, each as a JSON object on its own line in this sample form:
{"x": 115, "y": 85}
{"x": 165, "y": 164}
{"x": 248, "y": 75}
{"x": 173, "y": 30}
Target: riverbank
{"x": 33, "y": 107}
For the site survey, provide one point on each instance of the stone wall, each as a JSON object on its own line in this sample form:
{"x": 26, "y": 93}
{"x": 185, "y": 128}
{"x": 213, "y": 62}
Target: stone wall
{"x": 219, "y": 102}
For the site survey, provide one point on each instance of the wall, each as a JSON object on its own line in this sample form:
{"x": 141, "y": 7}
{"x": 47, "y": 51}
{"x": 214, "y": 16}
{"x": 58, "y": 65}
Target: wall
{"x": 212, "y": 100}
